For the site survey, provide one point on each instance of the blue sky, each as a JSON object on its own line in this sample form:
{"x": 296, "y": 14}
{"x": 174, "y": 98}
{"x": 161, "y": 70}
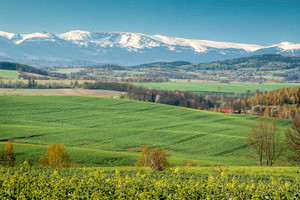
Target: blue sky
{"x": 262, "y": 22}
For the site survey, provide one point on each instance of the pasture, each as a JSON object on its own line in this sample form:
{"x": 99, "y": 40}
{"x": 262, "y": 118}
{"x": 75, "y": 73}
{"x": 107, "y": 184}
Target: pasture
{"x": 9, "y": 74}
{"x": 217, "y": 87}
{"x": 111, "y": 132}
{"x": 67, "y": 70}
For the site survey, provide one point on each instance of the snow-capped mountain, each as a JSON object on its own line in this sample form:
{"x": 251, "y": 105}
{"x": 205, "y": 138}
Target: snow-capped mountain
{"x": 122, "y": 48}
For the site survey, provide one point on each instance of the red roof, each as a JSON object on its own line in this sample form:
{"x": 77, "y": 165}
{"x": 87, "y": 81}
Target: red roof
{"x": 225, "y": 111}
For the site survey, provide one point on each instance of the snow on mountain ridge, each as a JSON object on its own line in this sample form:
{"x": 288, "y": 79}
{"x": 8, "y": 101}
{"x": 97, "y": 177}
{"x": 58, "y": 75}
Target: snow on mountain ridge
{"x": 140, "y": 41}
{"x": 40, "y": 35}
{"x": 7, "y": 35}
{"x": 75, "y": 35}
{"x": 287, "y": 46}
{"x": 135, "y": 41}
{"x": 126, "y": 48}
{"x": 201, "y": 45}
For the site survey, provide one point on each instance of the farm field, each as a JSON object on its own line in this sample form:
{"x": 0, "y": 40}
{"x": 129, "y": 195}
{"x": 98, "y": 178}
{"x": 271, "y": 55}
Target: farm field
{"x": 111, "y": 132}
{"x": 216, "y": 87}
{"x": 9, "y": 74}
{"x": 94, "y": 183}
{"x": 72, "y": 92}
{"x": 67, "y": 70}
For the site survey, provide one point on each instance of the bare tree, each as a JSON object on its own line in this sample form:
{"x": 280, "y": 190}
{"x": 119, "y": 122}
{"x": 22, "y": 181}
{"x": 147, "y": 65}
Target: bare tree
{"x": 255, "y": 141}
{"x": 264, "y": 142}
{"x": 293, "y": 137}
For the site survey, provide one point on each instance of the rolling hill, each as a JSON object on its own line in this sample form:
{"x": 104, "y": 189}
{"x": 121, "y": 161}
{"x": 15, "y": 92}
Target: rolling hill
{"x": 26, "y": 70}
{"x": 111, "y": 132}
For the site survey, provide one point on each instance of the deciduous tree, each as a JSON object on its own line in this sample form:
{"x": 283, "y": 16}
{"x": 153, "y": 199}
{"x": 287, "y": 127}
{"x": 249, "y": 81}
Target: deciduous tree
{"x": 264, "y": 142}
{"x": 145, "y": 157}
{"x": 8, "y": 157}
{"x": 293, "y": 137}
{"x": 56, "y": 157}
{"x": 157, "y": 160}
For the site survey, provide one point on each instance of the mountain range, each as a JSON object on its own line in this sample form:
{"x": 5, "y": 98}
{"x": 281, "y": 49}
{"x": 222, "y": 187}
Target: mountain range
{"x": 80, "y": 47}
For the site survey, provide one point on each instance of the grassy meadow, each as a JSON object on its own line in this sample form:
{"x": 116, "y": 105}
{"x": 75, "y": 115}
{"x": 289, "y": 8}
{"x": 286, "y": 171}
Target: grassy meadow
{"x": 217, "y": 87}
{"x": 111, "y": 132}
{"x": 9, "y": 74}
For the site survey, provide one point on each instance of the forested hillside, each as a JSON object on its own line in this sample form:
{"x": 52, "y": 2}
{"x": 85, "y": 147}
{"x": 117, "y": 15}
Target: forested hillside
{"x": 262, "y": 62}
{"x": 283, "y": 103}
{"x": 28, "y": 69}
{"x": 259, "y": 68}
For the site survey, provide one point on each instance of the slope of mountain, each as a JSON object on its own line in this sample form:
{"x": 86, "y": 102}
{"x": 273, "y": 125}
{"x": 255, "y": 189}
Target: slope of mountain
{"x": 268, "y": 62}
{"x": 85, "y": 48}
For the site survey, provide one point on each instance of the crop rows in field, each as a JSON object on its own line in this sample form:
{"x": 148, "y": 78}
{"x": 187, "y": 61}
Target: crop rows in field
{"x": 110, "y": 132}
{"x": 33, "y": 183}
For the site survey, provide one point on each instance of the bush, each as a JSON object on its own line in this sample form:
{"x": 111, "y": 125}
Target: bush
{"x": 157, "y": 160}
{"x": 8, "y": 158}
{"x": 56, "y": 157}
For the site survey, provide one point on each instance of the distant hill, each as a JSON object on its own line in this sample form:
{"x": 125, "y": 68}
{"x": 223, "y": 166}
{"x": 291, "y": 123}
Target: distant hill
{"x": 258, "y": 68}
{"x": 174, "y": 64}
{"x": 267, "y": 61}
{"x": 28, "y": 69}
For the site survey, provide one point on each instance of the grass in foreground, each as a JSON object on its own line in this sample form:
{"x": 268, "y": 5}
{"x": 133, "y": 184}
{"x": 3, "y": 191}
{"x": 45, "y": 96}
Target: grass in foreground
{"x": 112, "y": 132}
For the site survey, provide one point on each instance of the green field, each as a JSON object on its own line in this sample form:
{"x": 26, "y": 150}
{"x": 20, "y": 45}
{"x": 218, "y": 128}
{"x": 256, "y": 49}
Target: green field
{"x": 217, "y": 87}
{"x": 111, "y": 132}
{"x": 9, "y": 74}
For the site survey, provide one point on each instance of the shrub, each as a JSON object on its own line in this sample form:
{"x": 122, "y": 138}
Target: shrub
{"x": 157, "y": 160}
{"x": 56, "y": 157}
{"x": 8, "y": 158}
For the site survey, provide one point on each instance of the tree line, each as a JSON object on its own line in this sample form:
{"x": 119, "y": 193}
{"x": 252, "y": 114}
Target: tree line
{"x": 283, "y": 103}
{"x": 29, "y": 69}
{"x": 34, "y": 84}
{"x": 176, "y": 98}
